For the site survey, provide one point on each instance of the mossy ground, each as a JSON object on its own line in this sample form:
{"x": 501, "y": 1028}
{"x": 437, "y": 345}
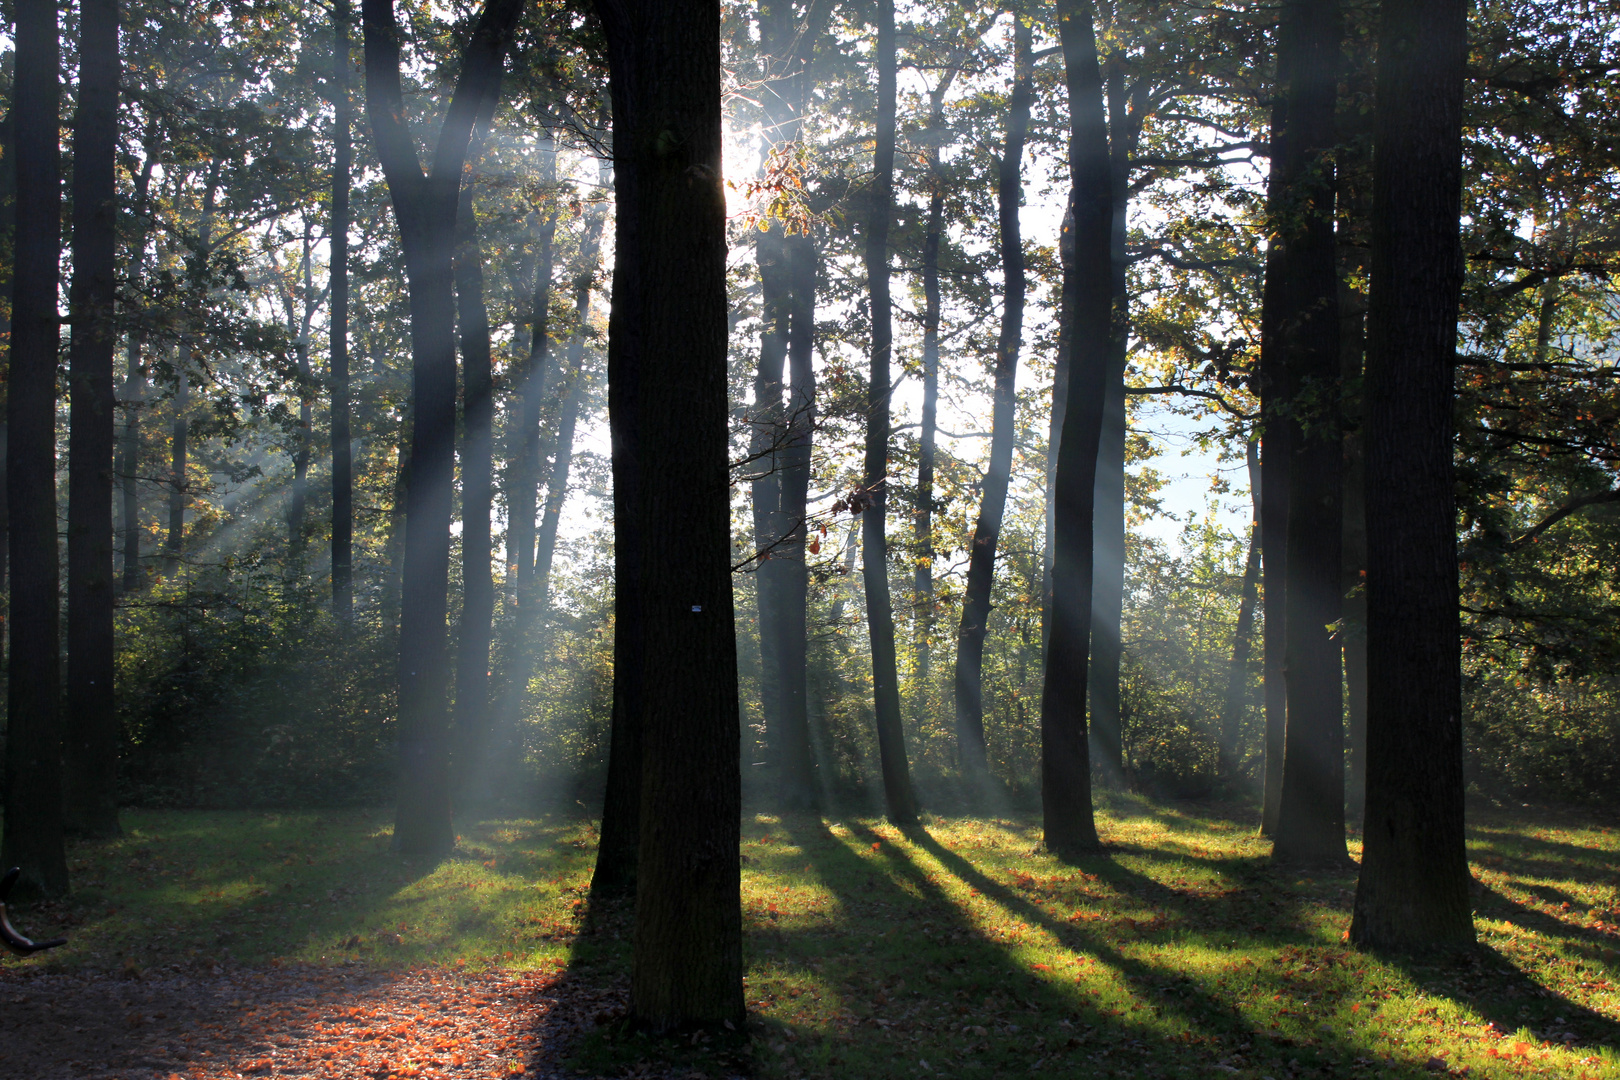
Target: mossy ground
{"x": 958, "y": 949}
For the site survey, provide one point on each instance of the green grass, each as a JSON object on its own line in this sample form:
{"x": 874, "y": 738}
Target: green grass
{"x": 957, "y": 950}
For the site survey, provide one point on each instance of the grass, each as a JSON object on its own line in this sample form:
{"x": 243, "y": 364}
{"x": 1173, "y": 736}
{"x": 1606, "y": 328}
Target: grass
{"x": 956, "y": 950}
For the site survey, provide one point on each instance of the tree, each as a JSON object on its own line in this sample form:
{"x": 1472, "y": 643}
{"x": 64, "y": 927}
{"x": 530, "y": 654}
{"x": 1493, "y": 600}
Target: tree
{"x": 33, "y": 837}
{"x": 1413, "y": 891}
{"x": 1310, "y": 816}
{"x": 899, "y": 800}
{"x": 1070, "y": 826}
{"x": 425, "y": 212}
{"x": 668, "y": 411}
{"x": 342, "y": 450}
{"x": 987, "y": 532}
{"x": 90, "y": 750}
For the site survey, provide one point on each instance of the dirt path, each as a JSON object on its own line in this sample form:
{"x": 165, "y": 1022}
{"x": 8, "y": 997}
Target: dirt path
{"x": 344, "y": 1022}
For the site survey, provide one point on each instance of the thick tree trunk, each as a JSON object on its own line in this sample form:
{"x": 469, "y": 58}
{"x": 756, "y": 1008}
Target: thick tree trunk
{"x": 667, "y": 348}
{"x": 342, "y": 447}
{"x": 900, "y": 802}
{"x": 1054, "y": 428}
{"x": 425, "y": 209}
{"x": 1070, "y": 827}
{"x": 1310, "y": 814}
{"x": 1235, "y": 701}
{"x": 1413, "y": 891}
{"x": 767, "y": 420}
{"x": 471, "y": 715}
{"x": 33, "y": 768}
{"x": 969, "y": 682}
{"x": 90, "y": 748}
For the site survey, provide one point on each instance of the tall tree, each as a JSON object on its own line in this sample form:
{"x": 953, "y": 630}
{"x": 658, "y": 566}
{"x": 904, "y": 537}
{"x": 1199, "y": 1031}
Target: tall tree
{"x": 899, "y": 799}
{"x": 135, "y": 376}
{"x": 1070, "y": 826}
{"x": 1310, "y": 814}
{"x": 338, "y": 267}
{"x": 534, "y": 382}
{"x": 969, "y": 682}
{"x": 667, "y": 375}
{"x": 90, "y": 748}
{"x": 476, "y": 630}
{"x": 425, "y": 211}
{"x": 1235, "y": 701}
{"x": 33, "y": 837}
{"x": 1413, "y": 891}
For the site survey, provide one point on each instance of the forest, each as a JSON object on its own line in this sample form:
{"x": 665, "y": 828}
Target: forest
{"x": 809, "y": 538}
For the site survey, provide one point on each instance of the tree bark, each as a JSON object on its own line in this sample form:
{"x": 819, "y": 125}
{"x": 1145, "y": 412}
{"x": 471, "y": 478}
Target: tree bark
{"x": 969, "y": 681}
{"x": 765, "y": 491}
{"x": 667, "y": 348}
{"x": 90, "y": 746}
{"x": 1235, "y": 701}
{"x": 174, "y": 543}
{"x": 471, "y": 715}
{"x": 1413, "y": 891}
{"x": 900, "y": 802}
{"x": 534, "y": 384}
{"x": 425, "y": 210}
{"x": 1070, "y": 827}
{"x": 33, "y": 838}
{"x": 1310, "y": 813}
{"x": 338, "y": 267}
{"x": 297, "y": 504}
{"x": 135, "y": 381}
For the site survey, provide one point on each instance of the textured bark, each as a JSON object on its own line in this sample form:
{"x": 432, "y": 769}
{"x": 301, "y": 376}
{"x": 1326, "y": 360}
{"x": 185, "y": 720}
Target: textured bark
{"x": 667, "y": 348}
{"x": 1413, "y": 891}
{"x": 969, "y": 682}
{"x": 475, "y": 633}
{"x": 33, "y": 837}
{"x": 899, "y": 800}
{"x": 1310, "y": 813}
{"x": 1235, "y": 701}
{"x": 342, "y": 448}
{"x": 1070, "y": 827}
{"x": 90, "y": 744}
{"x": 425, "y": 211}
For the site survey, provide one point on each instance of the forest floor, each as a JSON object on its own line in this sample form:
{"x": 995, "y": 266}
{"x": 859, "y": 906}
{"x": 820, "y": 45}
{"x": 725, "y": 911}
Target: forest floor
{"x": 215, "y": 945}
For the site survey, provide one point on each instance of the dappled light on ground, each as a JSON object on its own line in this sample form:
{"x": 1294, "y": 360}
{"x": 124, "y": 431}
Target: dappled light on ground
{"x": 223, "y": 945}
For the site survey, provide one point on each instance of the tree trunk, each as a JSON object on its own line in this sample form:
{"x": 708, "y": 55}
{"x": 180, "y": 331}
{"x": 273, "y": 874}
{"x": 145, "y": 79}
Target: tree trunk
{"x": 425, "y": 209}
{"x": 135, "y": 382}
{"x": 33, "y": 769}
{"x": 90, "y": 746}
{"x": 1070, "y": 827}
{"x": 667, "y": 348}
{"x": 899, "y": 800}
{"x": 534, "y": 384}
{"x": 1310, "y": 813}
{"x": 174, "y": 545}
{"x": 987, "y": 532}
{"x": 1108, "y": 599}
{"x": 1413, "y": 891}
{"x": 1235, "y": 702}
{"x": 923, "y": 529}
{"x": 766, "y": 420}
{"x": 297, "y": 505}
{"x": 471, "y": 716}
{"x": 342, "y": 447}
{"x": 1054, "y": 428}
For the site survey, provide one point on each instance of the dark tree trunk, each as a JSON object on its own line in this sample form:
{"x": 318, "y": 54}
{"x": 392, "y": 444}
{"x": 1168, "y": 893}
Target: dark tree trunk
{"x": 667, "y": 373}
{"x": 298, "y": 503}
{"x": 425, "y": 209}
{"x": 174, "y": 544}
{"x": 987, "y": 532}
{"x": 1235, "y": 702}
{"x": 927, "y": 436}
{"x": 342, "y": 448}
{"x": 33, "y": 790}
{"x": 1310, "y": 813}
{"x": 899, "y": 800}
{"x": 1054, "y": 428}
{"x": 1126, "y": 113}
{"x": 135, "y": 383}
{"x": 767, "y": 420}
{"x": 1088, "y": 296}
{"x": 90, "y": 748}
{"x": 1413, "y": 891}
{"x": 472, "y": 718}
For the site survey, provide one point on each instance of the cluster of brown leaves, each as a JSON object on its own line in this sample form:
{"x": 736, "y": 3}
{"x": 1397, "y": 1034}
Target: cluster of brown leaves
{"x": 294, "y": 1021}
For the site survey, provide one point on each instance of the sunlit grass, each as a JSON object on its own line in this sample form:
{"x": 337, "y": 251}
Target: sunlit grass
{"x": 960, "y": 949}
